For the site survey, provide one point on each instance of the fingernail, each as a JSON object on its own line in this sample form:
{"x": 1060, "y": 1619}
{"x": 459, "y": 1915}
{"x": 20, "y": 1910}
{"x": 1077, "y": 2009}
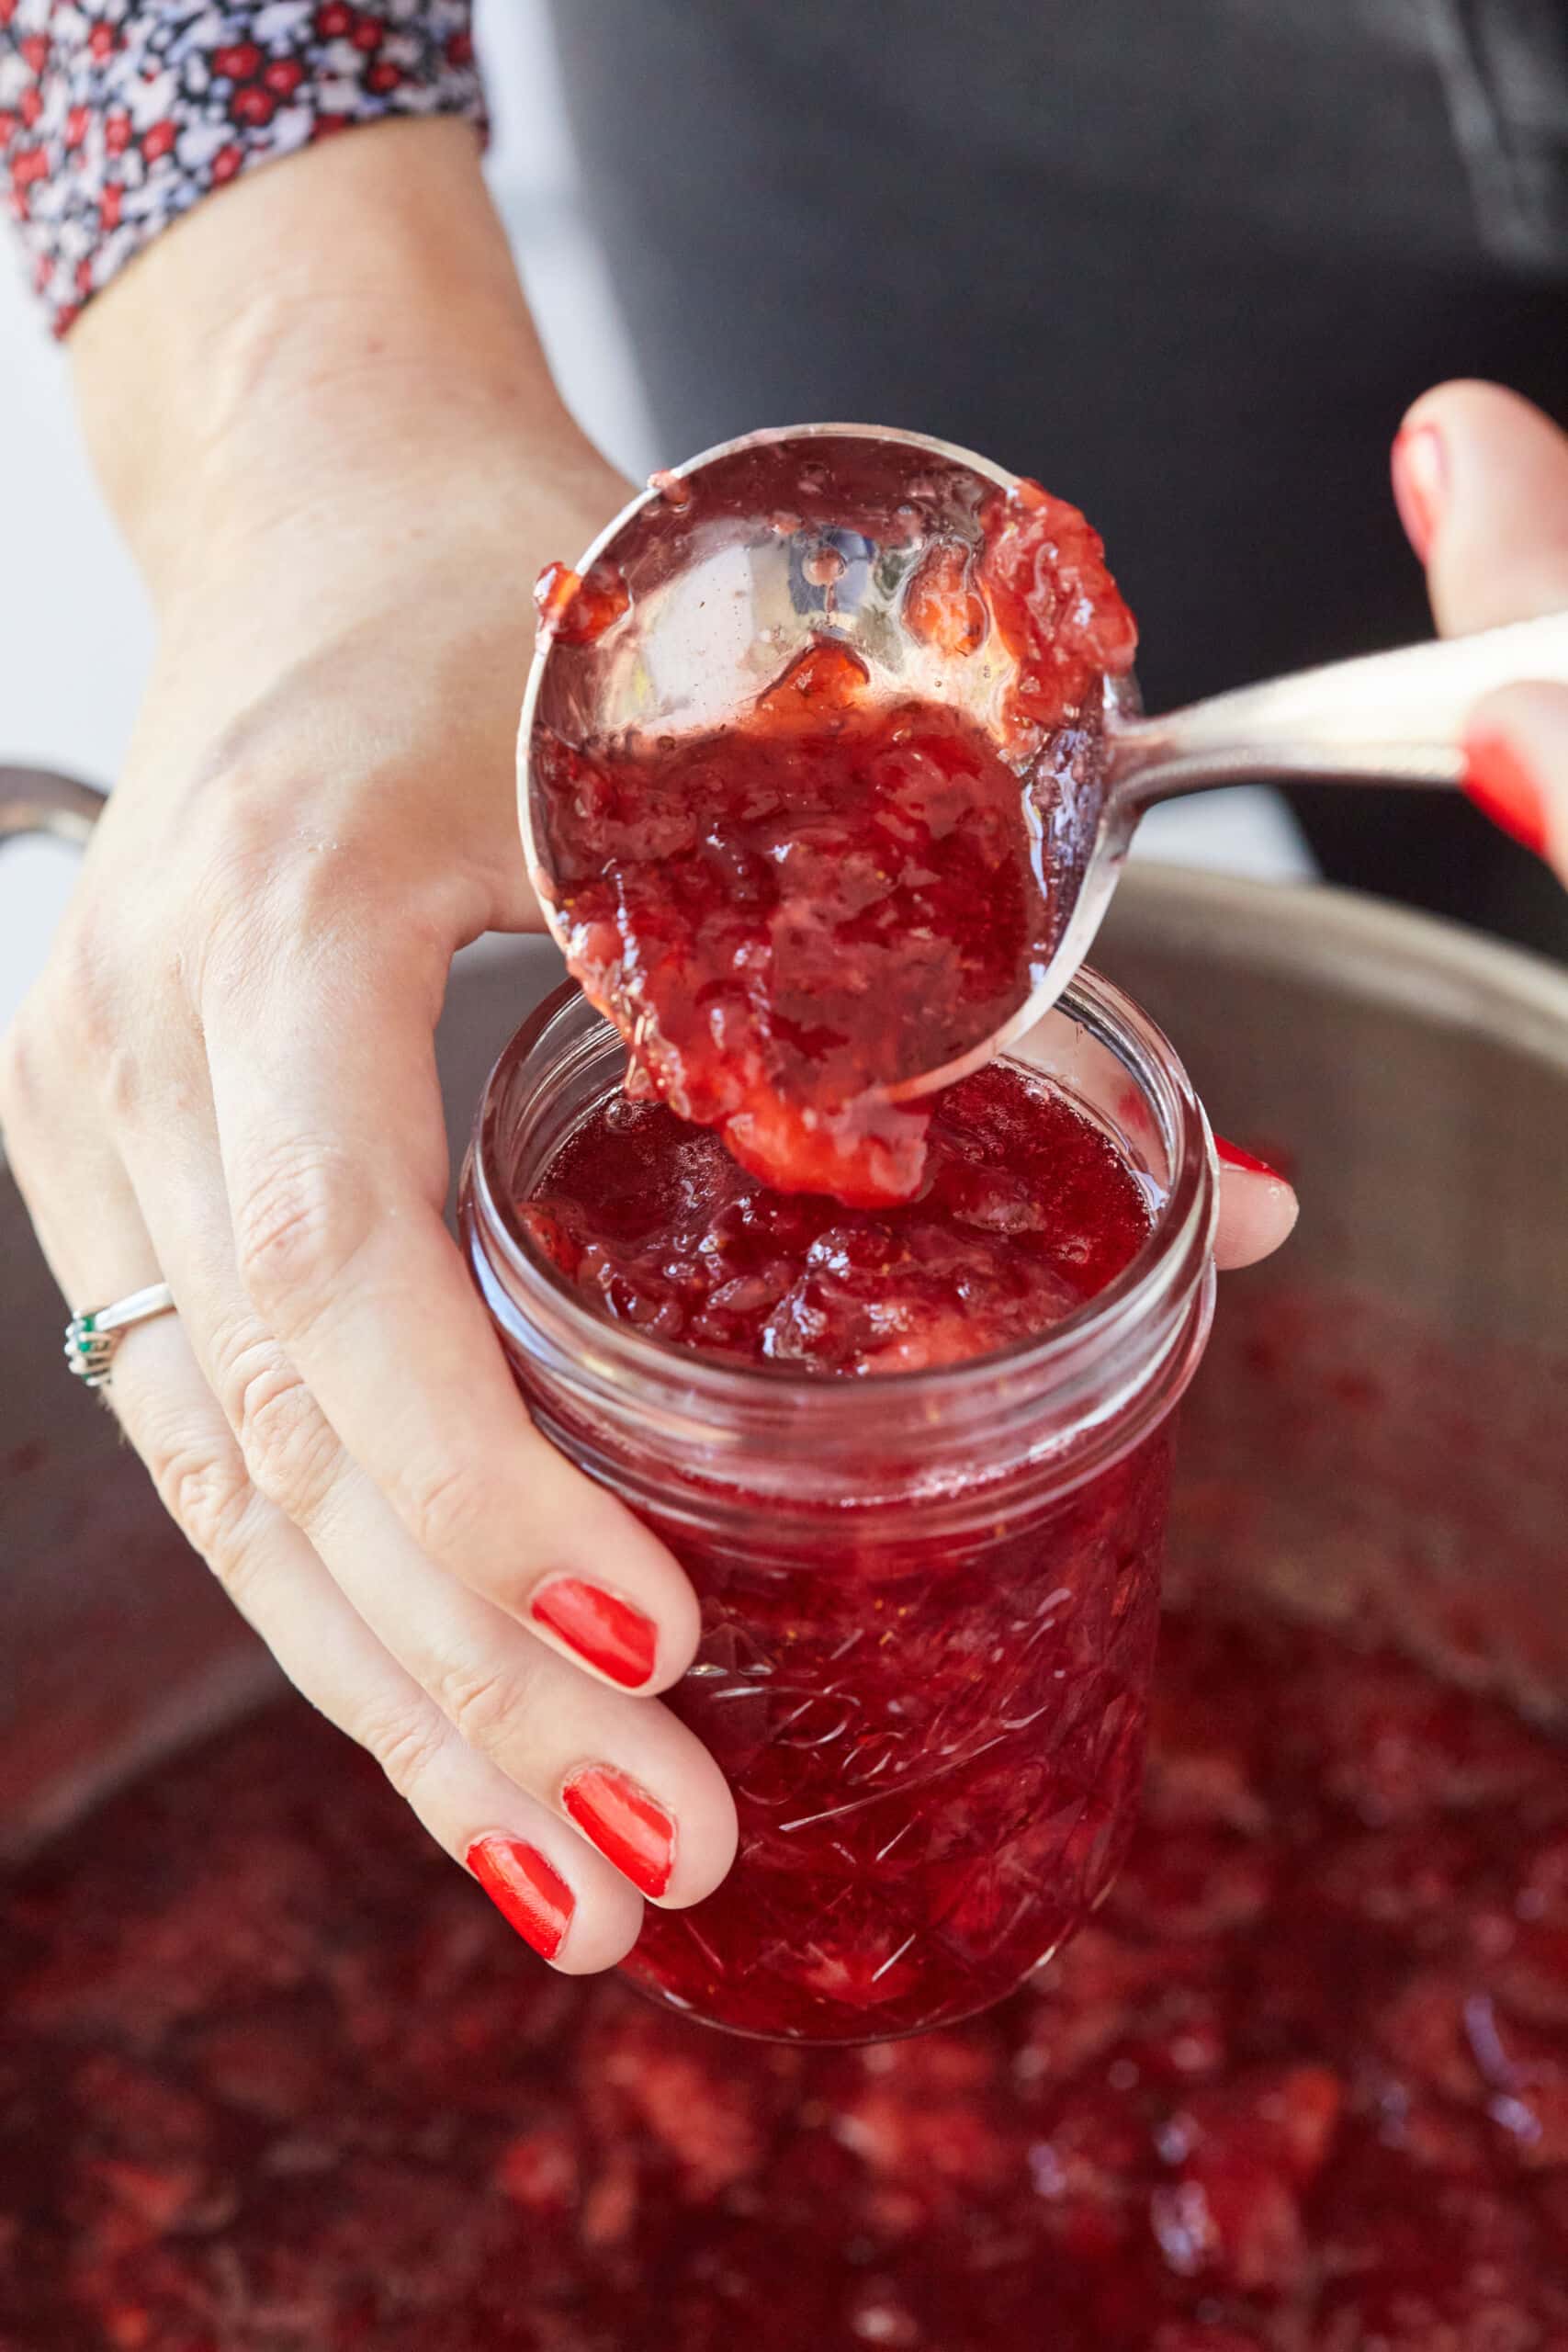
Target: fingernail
{"x": 1233, "y": 1157}
{"x": 1503, "y": 789}
{"x": 601, "y": 1627}
{"x": 1420, "y": 484}
{"x": 629, "y": 1827}
{"x": 529, "y": 1894}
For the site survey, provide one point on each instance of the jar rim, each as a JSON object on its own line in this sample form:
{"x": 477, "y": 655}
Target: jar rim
{"x": 1171, "y": 1260}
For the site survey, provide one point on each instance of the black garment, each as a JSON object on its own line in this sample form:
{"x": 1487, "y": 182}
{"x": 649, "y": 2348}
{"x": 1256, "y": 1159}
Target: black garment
{"x": 1187, "y": 260}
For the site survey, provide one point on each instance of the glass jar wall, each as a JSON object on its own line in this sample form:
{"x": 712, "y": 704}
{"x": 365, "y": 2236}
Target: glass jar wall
{"x": 930, "y": 1598}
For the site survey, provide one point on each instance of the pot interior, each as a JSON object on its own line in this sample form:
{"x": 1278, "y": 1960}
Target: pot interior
{"x": 1379, "y": 1433}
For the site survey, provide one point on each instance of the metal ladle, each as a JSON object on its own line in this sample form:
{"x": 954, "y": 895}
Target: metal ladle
{"x": 737, "y": 562}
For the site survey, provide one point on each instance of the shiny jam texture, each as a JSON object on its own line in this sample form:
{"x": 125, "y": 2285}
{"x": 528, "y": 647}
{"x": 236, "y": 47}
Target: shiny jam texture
{"x": 834, "y": 895}
{"x": 273, "y": 2077}
{"x": 934, "y": 1742}
{"x": 1027, "y": 1211}
{"x": 935, "y": 1749}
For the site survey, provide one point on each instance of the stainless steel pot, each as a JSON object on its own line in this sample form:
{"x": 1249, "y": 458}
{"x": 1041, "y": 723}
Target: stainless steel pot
{"x": 1382, "y": 1426}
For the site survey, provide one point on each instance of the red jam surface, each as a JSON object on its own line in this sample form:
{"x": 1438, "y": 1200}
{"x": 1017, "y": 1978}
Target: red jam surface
{"x": 1056, "y": 608}
{"x": 577, "y": 606}
{"x": 787, "y": 916}
{"x": 935, "y": 1750}
{"x": 273, "y": 2077}
{"x": 934, "y": 1742}
{"x": 1027, "y": 1211}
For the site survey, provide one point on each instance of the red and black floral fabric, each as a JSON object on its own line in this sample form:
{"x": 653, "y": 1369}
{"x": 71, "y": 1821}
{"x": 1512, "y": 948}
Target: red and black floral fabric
{"x": 117, "y": 116}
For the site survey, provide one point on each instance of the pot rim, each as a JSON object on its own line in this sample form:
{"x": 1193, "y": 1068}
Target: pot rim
{"x": 1363, "y": 946}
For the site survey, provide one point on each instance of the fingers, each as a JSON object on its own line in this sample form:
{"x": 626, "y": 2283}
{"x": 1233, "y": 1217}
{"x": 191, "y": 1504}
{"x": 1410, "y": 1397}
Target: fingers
{"x": 592, "y": 1915}
{"x": 634, "y": 1782}
{"x": 1481, "y": 478}
{"x": 1516, "y": 754}
{"x": 1257, "y": 1208}
{"x": 565, "y": 1812}
{"x": 77, "y": 1191}
{"x": 583, "y": 1915}
{"x": 333, "y": 1156}
{"x": 551, "y": 1730}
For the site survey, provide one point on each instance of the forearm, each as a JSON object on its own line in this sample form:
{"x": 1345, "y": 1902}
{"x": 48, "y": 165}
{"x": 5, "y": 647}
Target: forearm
{"x": 342, "y": 334}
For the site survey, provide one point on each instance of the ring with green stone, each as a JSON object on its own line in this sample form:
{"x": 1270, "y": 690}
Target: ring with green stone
{"x": 91, "y": 1339}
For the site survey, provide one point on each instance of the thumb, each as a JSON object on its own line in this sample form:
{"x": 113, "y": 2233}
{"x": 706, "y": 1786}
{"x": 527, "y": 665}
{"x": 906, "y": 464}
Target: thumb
{"x": 1481, "y": 478}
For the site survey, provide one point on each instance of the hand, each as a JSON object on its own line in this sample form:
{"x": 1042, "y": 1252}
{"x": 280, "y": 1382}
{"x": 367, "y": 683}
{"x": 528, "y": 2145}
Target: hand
{"x": 226, "y": 1073}
{"x": 1481, "y": 480}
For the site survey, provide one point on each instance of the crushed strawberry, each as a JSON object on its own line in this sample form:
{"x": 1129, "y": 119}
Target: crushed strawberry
{"x": 369, "y": 2121}
{"x": 835, "y": 893}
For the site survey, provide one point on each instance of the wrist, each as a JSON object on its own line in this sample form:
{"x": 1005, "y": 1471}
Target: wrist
{"x": 339, "y": 336}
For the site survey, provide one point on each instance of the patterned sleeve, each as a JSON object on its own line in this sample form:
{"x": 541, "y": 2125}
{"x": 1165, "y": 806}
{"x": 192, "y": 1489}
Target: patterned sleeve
{"x": 117, "y": 116}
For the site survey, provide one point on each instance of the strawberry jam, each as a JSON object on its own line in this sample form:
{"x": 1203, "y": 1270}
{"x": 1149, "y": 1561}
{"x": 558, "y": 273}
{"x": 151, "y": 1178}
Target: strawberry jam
{"x": 924, "y": 1667}
{"x": 1027, "y": 1211}
{"x": 920, "y": 1495}
{"x": 930, "y": 1588}
{"x": 847, "y": 889}
{"x": 275, "y": 2077}
{"x": 935, "y": 1750}
{"x": 934, "y": 1753}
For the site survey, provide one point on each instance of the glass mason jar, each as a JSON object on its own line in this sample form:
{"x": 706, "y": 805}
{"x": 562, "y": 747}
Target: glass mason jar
{"x": 929, "y": 1600}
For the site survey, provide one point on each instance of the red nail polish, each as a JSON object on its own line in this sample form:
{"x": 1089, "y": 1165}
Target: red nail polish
{"x": 601, "y": 1627}
{"x": 1420, "y": 484}
{"x": 1503, "y": 789}
{"x": 1233, "y": 1156}
{"x": 529, "y": 1894}
{"x": 629, "y": 1827}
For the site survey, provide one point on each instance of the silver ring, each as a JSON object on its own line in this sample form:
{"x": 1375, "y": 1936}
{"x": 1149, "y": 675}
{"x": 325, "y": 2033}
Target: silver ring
{"x": 91, "y": 1339}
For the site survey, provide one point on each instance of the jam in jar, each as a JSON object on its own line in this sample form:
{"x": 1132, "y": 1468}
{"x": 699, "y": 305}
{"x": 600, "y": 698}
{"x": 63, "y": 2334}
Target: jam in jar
{"x": 928, "y": 1575}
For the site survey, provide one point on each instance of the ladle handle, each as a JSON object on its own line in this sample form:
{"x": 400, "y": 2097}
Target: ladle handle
{"x": 38, "y": 800}
{"x": 1387, "y": 718}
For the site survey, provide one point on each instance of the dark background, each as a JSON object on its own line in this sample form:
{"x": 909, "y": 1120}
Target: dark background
{"x": 1188, "y": 261}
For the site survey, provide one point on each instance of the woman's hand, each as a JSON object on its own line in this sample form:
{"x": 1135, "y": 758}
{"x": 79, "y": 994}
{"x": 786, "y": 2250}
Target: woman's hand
{"x": 1481, "y": 480}
{"x": 225, "y": 1075}
{"x": 340, "y": 463}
